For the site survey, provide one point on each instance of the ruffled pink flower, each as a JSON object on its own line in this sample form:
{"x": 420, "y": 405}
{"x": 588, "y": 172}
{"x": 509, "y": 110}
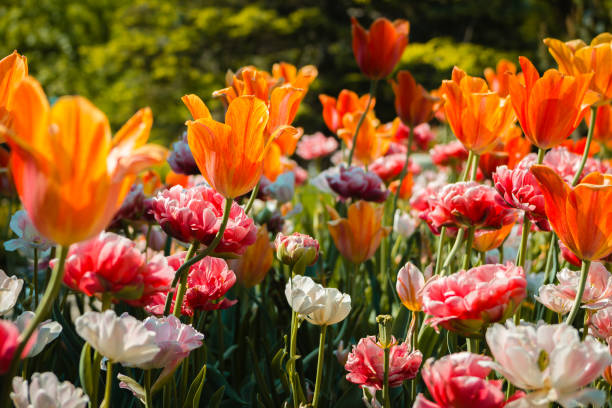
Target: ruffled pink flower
{"x": 423, "y": 135}
{"x": 357, "y": 184}
{"x": 111, "y": 263}
{"x": 600, "y": 324}
{"x": 314, "y": 146}
{"x": 565, "y": 163}
{"x": 389, "y": 167}
{"x": 520, "y": 189}
{"x": 195, "y": 214}
{"x": 459, "y": 380}
{"x": 365, "y": 363}
{"x": 467, "y": 204}
{"x": 450, "y": 154}
{"x": 597, "y": 292}
{"x": 467, "y": 301}
{"x": 9, "y": 340}
{"x": 291, "y": 248}
{"x": 426, "y": 185}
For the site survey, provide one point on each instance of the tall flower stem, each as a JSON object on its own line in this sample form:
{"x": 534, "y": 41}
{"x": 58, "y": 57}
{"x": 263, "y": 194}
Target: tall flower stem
{"x": 404, "y": 170}
{"x": 475, "y": 167}
{"x": 386, "y": 396}
{"x": 148, "y": 400}
{"x": 587, "y": 146}
{"x": 182, "y": 287}
{"x": 184, "y": 268}
{"x": 106, "y": 403}
{"x": 468, "y": 166}
{"x": 320, "y": 362}
{"x": 371, "y": 95}
{"x": 439, "y": 250}
{"x": 35, "y": 277}
{"x": 292, "y": 360}
{"x": 467, "y": 258}
{"x": 252, "y": 198}
{"x": 522, "y": 253}
{"x": 454, "y": 249}
{"x": 584, "y": 273}
{"x": 40, "y": 314}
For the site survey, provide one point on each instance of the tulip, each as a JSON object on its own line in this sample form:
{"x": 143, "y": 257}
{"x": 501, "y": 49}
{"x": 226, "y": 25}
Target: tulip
{"x": 405, "y": 191}
{"x": 253, "y": 266}
{"x": 549, "y": 108}
{"x": 549, "y": 361}
{"x": 45, "y": 390}
{"x": 476, "y": 115}
{"x": 336, "y": 306}
{"x": 181, "y": 159}
{"x": 358, "y": 236}
{"x": 207, "y": 282}
{"x": 379, "y": 49}
{"x": 404, "y": 224}
{"x": 451, "y": 154}
{"x": 600, "y": 324}
{"x": 294, "y": 248}
{"x": 304, "y": 295}
{"x": 390, "y": 166}
{"x": 347, "y": 102}
{"x": 485, "y": 241}
{"x": 468, "y": 301}
{"x": 70, "y": 175}
{"x": 413, "y": 104}
{"x": 498, "y": 78}
{"x": 47, "y": 331}
{"x": 371, "y": 142}
{"x": 10, "y": 288}
{"x": 354, "y": 183}
{"x": 365, "y": 363}
{"x": 13, "y": 68}
{"x": 410, "y": 281}
{"x": 460, "y": 380}
{"x": 315, "y": 146}
{"x": 9, "y": 342}
{"x": 301, "y": 78}
{"x": 580, "y": 216}
{"x": 602, "y": 131}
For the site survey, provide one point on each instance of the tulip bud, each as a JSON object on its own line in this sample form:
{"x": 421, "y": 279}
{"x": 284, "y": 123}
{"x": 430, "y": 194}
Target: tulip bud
{"x": 296, "y": 247}
{"x": 410, "y": 280}
{"x": 384, "y": 330}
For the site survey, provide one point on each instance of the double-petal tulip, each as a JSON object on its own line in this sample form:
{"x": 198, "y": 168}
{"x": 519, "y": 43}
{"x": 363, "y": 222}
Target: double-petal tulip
{"x": 70, "y": 175}
{"x": 600, "y": 324}
{"x": 10, "y": 288}
{"x": 13, "y": 68}
{"x": 477, "y": 116}
{"x": 336, "y": 306}
{"x": 317, "y": 145}
{"x": 549, "y": 108}
{"x": 358, "y": 236}
{"x": 372, "y": 141}
{"x": 291, "y": 249}
{"x": 413, "y": 104}
{"x": 304, "y": 295}
{"x": 580, "y": 216}
{"x": 575, "y": 58}
{"x": 45, "y": 391}
{"x": 379, "y": 49}
{"x": 347, "y": 102}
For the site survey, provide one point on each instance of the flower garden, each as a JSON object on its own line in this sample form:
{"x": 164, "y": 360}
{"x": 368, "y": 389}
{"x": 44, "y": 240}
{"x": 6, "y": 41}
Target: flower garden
{"x": 456, "y": 256}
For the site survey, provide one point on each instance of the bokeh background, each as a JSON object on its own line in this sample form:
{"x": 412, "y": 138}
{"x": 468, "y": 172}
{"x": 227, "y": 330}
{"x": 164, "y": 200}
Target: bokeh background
{"x": 124, "y": 55}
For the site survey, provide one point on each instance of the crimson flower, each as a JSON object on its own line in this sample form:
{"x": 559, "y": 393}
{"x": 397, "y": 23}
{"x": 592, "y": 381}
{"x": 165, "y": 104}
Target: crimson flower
{"x": 389, "y": 167}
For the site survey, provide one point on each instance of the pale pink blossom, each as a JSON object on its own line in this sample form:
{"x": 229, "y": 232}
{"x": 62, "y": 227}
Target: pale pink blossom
{"x": 46, "y": 391}
{"x": 390, "y": 167}
{"x": 365, "y": 363}
{"x": 600, "y": 324}
{"x": 409, "y": 285}
{"x": 316, "y": 145}
{"x": 29, "y": 238}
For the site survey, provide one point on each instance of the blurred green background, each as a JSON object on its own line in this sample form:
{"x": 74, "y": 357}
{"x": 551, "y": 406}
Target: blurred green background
{"x": 124, "y": 55}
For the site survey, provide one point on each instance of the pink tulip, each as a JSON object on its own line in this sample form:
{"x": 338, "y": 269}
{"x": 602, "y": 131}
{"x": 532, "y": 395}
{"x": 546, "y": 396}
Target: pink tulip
{"x": 314, "y": 146}
{"x": 390, "y": 167}
{"x": 600, "y": 324}
{"x": 365, "y": 363}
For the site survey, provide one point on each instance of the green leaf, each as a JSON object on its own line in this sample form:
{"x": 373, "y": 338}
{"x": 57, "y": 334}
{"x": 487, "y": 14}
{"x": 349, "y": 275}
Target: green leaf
{"x": 195, "y": 388}
{"x": 85, "y": 373}
{"x": 215, "y": 400}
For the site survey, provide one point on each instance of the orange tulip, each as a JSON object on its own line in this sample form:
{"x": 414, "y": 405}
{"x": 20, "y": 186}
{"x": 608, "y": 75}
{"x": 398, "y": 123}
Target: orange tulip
{"x": 13, "y": 69}
{"x": 577, "y": 146}
{"x": 378, "y": 50}
{"x": 290, "y": 74}
{"x": 230, "y": 155}
{"x": 497, "y": 79}
{"x": 151, "y": 182}
{"x": 413, "y": 104}
{"x": 580, "y": 216}
{"x": 373, "y": 139}
{"x": 358, "y": 236}
{"x": 509, "y": 151}
{"x": 476, "y": 115}
{"x": 549, "y": 108}
{"x": 176, "y": 179}
{"x": 70, "y": 174}
{"x": 253, "y": 266}
{"x": 603, "y": 125}
{"x": 347, "y": 102}
{"x": 488, "y": 240}
{"x": 575, "y": 58}
{"x": 406, "y": 189}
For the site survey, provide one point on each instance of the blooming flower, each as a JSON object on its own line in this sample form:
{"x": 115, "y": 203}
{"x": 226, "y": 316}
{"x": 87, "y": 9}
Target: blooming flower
{"x": 602, "y": 131}
{"x": 357, "y": 184}
{"x": 317, "y": 145}
{"x": 207, "y": 282}
{"x": 290, "y": 249}
{"x": 390, "y": 166}
{"x": 404, "y": 223}
{"x": 365, "y": 363}
{"x": 597, "y": 292}
{"x": 336, "y": 306}
{"x": 413, "y": 104}
{"x": 44, "y": 390}
{"x": 29, "y": 238}
{"x": 358, "y": 236}
{"x": 488, "y": 240}
{"x": 467, "y": 301}
{"x": 549, "y": 361}
{"x": 451, "y": 154}
{"x": 347, "y": 102}
{"x": 304, "y": 295}
{"x": 580, "y": 215}
{"x": 372, "y": 141}
{"x": 422, "y": 138}
{"x": 410, "y": 281}
{"x": 122, "y": 339}
{"x": 70, "y": 174}
{"x": 379, "y": 49}
{"x": 47, "y": 331}
{"x": 600, "y": 324}
{"x": 253, "y": 266}
{"x": 460, "y": 380}
{"x": 10, "y": 288}
{"x": 13, "y": 68}
{"x": 498, "y": 78}
{"x": 9, "y": 340}
{"x": 195, "y": 213}
{"x": 181, "y": 159}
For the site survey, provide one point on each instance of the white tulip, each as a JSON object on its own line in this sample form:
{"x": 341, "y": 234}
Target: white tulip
{"x": 549, "y": 362}
{"x": 404, "y": 223}
{"x": 336, "y": 307}
{"x": 10, "y": 287}
{"x": 47, "y": 331}
{"x": 122, "y": 339}
{"x": 45, "y": 391}
{"x": 304, "y": 295}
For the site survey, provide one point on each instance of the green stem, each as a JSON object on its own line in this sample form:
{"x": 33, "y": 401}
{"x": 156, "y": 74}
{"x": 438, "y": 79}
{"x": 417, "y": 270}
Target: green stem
{"x": 467, "y": 258}
{"x": 439, "y": 250}
{"x": 541, "y": 153}
{"x": 148, "y": 400}
{"x": 522, "y": 253}
{"x": 454, "y": 249}
{"x": 475, "y": 167}
{"x": 184, "y": 268}
{"x": 249, "y": 204}
{"x": 584, "y": 273}
{"x": 320, "y": 362}
{"x": 292, "y": 356}
{"x": 468, "y": 166}
{"x": 549, "y": 276}
{"x": 35, "y": 277}
{"x": 371, "y": 95}
{"x": 106, "y": 403}
{"x": 404, "y": 171}
{"x": 182, "y": 287}
{"x": 386, "y": 396}
{"x": 472, "y": 345}
{"x": 587, "y": 146}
